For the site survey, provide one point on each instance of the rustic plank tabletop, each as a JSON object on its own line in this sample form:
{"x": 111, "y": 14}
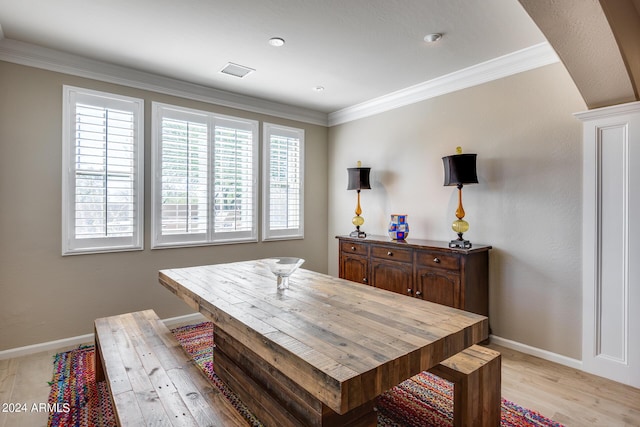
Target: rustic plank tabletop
{"x": 345, "y": 343}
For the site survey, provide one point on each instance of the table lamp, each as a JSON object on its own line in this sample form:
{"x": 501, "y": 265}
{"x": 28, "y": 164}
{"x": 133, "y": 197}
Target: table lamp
{"x": 358, "y": 180}
{"x": 460, "y": 169}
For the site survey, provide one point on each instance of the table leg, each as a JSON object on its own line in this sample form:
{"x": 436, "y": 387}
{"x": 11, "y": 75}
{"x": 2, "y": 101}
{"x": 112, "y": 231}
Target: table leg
{"x": 274, "y": 398}
{"x": 99, "y": 368}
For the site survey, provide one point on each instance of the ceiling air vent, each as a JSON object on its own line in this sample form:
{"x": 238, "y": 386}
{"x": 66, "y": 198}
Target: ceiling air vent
{"x": 236, "y": 70}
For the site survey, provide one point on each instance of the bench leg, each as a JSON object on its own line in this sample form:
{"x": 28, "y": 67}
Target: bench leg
{"x": 99, "y": 367}
{"x": 477, "y": 395}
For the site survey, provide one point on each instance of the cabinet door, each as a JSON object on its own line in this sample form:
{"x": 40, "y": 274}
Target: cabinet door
{"x": 392, "y": 276}
{"x": 354, "y": 268}
{"x": 438, "y": 286}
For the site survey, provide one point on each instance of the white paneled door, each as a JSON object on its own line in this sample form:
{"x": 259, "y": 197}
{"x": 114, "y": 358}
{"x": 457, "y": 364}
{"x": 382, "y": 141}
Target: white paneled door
{"x": 611, "y": 243}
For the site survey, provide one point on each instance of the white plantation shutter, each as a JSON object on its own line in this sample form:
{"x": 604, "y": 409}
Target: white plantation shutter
{"x": 204, "y": 171}
{"x": 181, "y": 178}
{"x": 283, "y": 183}
{"x": 234, "y": 164}
{"x": 103, "y": 164}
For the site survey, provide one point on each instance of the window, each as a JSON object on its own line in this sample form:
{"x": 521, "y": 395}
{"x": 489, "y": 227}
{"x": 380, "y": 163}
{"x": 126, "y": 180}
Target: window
{"x": 103, "y": 172}
{"x": 204, "y": 178}
{"x": 283, "y": 183}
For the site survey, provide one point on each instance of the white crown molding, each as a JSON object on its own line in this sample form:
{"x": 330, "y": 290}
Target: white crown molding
{"x": 53, "y": 60}
{"x": 517, "y": 62}
{"x": 39, "y": 57}
{"x": 60, "y": 345}
{"x": 614, "y": 110}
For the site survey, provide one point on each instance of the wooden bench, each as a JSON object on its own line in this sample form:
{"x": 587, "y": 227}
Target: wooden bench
{"x": 151, "y": 379}
{"x": 476, "y": 377}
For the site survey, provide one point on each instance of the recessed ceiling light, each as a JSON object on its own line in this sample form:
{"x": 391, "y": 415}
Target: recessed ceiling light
{"x": 432, "y": 38}
{"x": 276, "y": 41}
{"x": 318, "y": 88}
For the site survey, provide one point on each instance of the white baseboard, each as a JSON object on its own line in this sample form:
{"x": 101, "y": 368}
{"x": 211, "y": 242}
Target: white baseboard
{"x": 197, "y": 317}
{"x": 533, "y": 351}
{"x": 84, "y": 339}
{"x": 187, "y": 318}
{"x": 46, "y": 346}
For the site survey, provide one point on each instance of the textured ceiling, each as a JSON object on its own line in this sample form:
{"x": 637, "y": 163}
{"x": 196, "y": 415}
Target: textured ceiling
{"x": 357, "y": 50}
{"x": 600, "y": 50}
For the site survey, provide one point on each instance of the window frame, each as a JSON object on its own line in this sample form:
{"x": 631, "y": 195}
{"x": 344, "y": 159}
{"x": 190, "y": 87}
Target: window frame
{"x": 71, "y": 245}
{"x": 210, "y": 237}
{"x": 268, "y": 234}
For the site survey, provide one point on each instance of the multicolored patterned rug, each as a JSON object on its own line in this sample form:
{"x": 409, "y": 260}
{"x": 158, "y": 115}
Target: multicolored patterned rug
{"x": 421, "y": 401}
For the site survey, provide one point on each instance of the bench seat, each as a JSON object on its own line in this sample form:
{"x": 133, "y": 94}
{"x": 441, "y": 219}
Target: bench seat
{"x": 476, "y": 377}
{"x": 151, "y": 379}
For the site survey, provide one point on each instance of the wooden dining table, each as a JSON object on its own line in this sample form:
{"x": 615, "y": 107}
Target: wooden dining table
{"x": 320, "y": 352}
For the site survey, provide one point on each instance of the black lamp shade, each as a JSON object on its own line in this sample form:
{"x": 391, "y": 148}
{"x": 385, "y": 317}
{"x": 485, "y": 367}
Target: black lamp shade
{"x": 460, "y": 169}
{"x": 359, "y": 179}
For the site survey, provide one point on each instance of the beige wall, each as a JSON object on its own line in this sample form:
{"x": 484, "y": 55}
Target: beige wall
{"x": 44, "y": 296}
{"x": 527, "y": 203}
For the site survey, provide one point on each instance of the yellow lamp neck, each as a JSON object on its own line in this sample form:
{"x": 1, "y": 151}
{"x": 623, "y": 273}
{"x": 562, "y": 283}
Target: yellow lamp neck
{"x": 460, "y": 210}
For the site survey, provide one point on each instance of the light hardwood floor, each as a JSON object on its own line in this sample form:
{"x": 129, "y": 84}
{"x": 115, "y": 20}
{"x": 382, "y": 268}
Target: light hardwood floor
{"x": 568, "y": 396}
{"x": 24, "y": 381}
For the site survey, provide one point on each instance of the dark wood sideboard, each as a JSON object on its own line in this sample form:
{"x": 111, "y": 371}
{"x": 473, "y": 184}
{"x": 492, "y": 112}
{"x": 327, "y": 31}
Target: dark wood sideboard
{"x": 424, "y": 269}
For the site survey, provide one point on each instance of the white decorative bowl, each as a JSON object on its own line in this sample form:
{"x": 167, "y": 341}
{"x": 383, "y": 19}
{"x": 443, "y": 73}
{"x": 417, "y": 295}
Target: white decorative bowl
{"x": 282, "y": 268}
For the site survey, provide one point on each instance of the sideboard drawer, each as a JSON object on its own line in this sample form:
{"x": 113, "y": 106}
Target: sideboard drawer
{"x": 396, "y": 254}
{"x": 354, "y": 248}
{"x": 439, "y": 260}
{"x": 424, "y": 269}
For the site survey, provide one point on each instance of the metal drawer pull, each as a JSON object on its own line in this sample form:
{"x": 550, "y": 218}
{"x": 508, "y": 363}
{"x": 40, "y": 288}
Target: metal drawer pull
{"x": 436, "y": 260}
{"x": 418, "y": 293}
{"x": 390, "y": 253}
{"x": 409, "y": 291}
{"x": 364, "y": 280}
{"x": 353, "y": 248}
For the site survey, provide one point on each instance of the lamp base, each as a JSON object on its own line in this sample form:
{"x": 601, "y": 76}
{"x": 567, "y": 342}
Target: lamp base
{"x": 462, "y": 244}
{"x": 358, "y": 233}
